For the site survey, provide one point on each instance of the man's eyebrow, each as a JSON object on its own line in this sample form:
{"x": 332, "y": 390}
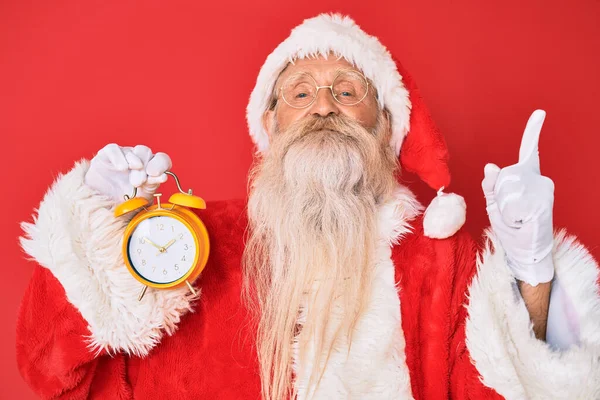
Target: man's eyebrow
{"x": 303, "y": 70}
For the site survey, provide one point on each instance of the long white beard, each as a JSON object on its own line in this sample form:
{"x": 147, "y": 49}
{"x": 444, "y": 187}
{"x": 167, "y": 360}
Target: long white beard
{"x": 312, "y": 221}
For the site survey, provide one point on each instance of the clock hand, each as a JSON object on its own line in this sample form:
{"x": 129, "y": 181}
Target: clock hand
{"x": 152, "y": 243}
{"x": 166, "y": 246}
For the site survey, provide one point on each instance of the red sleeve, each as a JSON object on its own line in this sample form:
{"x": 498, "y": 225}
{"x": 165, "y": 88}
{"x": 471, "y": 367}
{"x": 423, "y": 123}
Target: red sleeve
{"x": 52, "y": 352}
{"x": 464, "y": 377}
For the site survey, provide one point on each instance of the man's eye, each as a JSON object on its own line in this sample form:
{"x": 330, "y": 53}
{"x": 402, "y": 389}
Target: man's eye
{"x": 346, "y": 94}
{"x": 301, "y": 95}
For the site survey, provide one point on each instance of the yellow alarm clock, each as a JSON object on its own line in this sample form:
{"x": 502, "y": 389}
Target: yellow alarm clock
{"x": 165, "y": 246}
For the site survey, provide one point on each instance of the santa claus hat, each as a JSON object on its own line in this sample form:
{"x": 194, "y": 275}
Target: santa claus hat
{"x": 415, "y": 138}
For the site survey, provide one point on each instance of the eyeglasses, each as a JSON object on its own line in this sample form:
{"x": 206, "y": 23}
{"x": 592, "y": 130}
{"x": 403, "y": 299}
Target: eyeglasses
{"x": 349, "y": 87}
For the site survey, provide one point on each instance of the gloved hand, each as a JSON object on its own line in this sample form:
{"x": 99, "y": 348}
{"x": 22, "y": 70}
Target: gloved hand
{"x": 116, "y": 170}
{"x": 519, "y": 204}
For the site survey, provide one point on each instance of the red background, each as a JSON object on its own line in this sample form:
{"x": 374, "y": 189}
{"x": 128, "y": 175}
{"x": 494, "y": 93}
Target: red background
{"x": 176, "y": 76}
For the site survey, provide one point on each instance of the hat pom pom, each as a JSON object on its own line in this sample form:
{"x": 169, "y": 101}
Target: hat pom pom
{"x": 445, "y": 215}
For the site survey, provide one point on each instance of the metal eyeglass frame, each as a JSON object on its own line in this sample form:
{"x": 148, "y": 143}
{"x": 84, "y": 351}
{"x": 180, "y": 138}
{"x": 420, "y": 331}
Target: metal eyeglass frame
{"x": 330, "y": 87}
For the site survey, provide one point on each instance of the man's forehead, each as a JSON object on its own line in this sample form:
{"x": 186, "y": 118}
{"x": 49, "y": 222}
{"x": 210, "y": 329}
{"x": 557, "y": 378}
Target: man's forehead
{"x": 318, "y": 67}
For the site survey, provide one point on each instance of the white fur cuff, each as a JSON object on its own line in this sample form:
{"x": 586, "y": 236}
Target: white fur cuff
{"x": 76, "y": 237}
{"x": 501, "y": 341}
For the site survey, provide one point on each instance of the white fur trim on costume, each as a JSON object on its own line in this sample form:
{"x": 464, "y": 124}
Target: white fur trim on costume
{"x": 394, "y": 216}
{"x": 445, "y": 215}
{"x": 375, "y": 367}
{"x": 501, "y": 341}
{"x": 76, "y": 236}
{"x": 340, "y": 35}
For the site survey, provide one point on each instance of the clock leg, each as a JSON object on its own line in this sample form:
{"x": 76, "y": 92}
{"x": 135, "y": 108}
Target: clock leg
{"x": 142, "y": 293}
{"x": 191, "y": 288}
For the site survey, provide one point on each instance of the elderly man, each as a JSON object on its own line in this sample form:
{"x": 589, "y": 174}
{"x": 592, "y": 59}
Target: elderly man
{"x": 343, "y": 288}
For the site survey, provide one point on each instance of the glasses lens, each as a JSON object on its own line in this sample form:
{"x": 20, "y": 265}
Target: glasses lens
{"x": 350, "y": 87}
{"x": 299, "y": 90}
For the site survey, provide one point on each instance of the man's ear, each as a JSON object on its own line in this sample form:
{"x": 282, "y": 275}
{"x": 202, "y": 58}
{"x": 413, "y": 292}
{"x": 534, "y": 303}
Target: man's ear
{"x": 387, "y": 118}
{"x": 268, "y": 121}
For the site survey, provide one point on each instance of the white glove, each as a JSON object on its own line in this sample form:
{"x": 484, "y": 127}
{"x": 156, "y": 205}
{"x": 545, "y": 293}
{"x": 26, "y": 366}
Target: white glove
{"x": 519, "y": 204}
{"x": 116, "y": 170}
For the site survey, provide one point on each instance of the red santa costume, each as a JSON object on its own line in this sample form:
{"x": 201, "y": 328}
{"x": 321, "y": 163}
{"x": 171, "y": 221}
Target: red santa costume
{"x": 441, "y": 321}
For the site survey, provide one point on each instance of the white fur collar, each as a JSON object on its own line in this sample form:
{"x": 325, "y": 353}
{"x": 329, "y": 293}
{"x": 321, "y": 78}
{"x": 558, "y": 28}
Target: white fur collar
{"x": 395, "y": 215}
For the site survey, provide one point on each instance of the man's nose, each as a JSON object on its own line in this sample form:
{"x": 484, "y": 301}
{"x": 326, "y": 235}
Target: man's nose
{"x": 324, "y": 104}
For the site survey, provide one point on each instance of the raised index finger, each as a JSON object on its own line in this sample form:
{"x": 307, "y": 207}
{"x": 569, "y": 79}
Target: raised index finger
{"x": 528, "y": 153}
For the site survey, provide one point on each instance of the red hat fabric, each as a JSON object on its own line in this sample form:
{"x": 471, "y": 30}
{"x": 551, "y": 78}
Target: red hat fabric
{"x": 424, "y": 151}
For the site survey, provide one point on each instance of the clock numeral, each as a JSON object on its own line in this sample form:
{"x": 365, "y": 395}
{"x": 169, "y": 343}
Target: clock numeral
{"x": 161, "y": 227}
{"x": 173, "y": 228}
{"x": 164, "y": 271}
{"x": 183, "y": 258}
{"x": 142, "y": 240}
{"x": 176, "y": 267}
{"x": 143, "y": 262}
{"x": 185, "y": 247}
{"x": 139, "y": 251}
{"x": 181, "y": 236}
{"x": 154, "y": 268}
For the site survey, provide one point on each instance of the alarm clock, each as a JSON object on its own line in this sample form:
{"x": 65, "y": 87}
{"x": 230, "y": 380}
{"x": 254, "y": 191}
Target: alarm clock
{"x": 165, "y": 245}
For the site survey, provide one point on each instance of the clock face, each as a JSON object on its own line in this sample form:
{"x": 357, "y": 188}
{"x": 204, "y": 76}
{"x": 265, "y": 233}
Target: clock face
{"x": 162, "y": 249}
